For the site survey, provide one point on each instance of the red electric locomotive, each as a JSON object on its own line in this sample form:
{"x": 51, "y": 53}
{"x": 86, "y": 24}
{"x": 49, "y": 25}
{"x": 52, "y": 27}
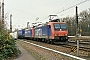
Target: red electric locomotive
{"x": 59, "y": 31}
{"x": 52, "y": 31}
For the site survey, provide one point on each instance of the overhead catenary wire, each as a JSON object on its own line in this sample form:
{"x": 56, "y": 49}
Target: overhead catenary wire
{"x": 72, "y": 6}
{"x": 19, "y": 10}
{"x": 20, "y": 18}
{"x": 64, "y": 9}
{"x": 67, "y": 8}
{"x": 23, "y": 11}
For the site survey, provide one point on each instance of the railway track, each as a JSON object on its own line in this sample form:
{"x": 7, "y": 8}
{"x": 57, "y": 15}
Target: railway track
{"x": 85, "y": 46}
{"x": 84, "y": 51}
{"x": 51, "y": 48}
{"x": 82, "y": 46}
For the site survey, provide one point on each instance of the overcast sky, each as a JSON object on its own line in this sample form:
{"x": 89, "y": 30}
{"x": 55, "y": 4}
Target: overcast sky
{"x": 24, "y": 11}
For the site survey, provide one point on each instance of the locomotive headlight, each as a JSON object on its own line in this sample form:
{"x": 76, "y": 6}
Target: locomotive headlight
{"x": 56, "y": 34}
{"x": 60, "y": 29}
{"x": 65, "y": 34}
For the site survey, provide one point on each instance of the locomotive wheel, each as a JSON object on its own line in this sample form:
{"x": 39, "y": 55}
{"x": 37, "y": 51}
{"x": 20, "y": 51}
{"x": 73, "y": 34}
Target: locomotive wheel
{"x": 52, "y": 42}
{"x": 37, "y": 39}
{"x": 42, "y": 40}
{"x": 48, "y": 41}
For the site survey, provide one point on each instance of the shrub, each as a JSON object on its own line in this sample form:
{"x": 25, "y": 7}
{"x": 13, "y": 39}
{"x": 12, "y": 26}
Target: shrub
{"x": 8, "y": 48}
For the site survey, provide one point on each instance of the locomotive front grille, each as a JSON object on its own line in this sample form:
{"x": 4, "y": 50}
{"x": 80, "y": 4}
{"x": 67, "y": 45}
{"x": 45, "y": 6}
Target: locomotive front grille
{"x": 61, "y": 38}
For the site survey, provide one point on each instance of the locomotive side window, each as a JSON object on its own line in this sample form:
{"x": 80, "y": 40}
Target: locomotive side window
{"x": 60, "y": 26}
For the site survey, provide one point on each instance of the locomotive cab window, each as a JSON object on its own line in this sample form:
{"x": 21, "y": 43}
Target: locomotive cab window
{"x": 60, "y": 26}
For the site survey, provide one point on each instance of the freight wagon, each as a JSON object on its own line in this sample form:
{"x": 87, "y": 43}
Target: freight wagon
{"x": 28, "y": 33}
{"x": 21, "y": 33}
